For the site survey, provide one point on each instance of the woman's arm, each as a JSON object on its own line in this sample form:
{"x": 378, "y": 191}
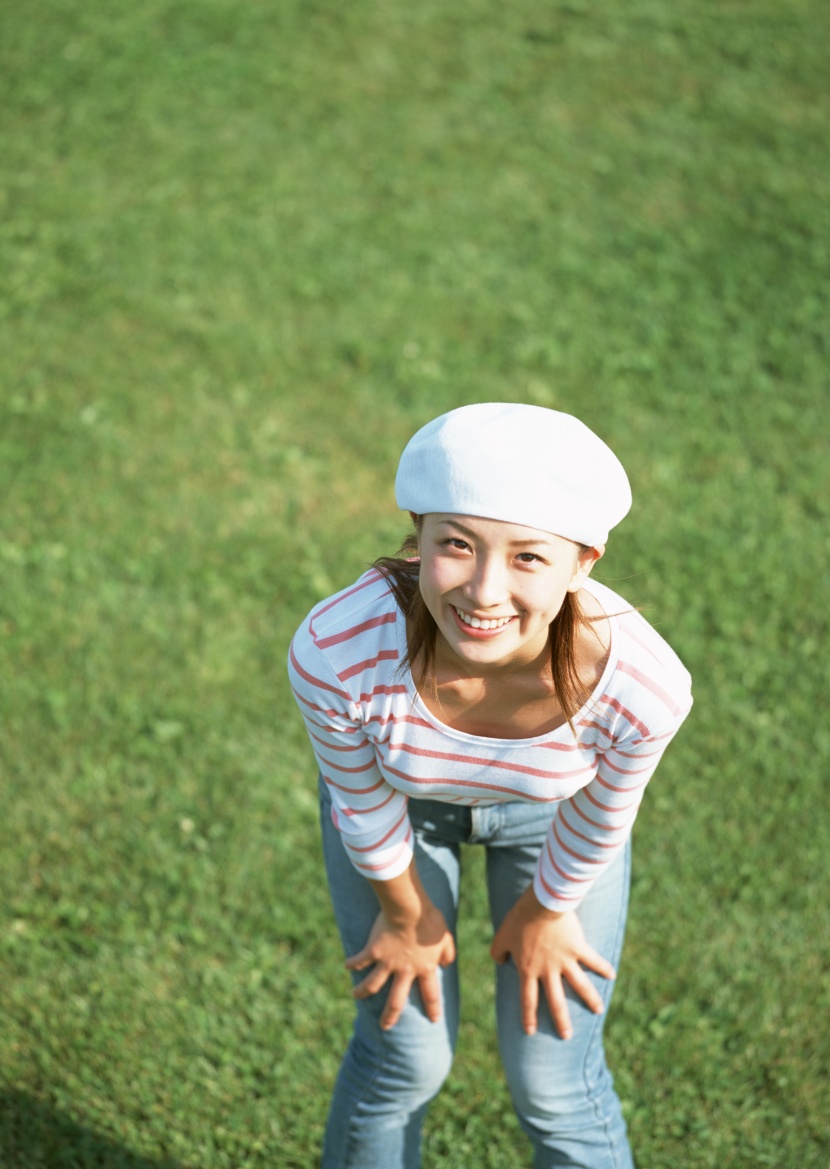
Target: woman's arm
{"x": 409, "y": 941}
{"x": 369, "y": 814}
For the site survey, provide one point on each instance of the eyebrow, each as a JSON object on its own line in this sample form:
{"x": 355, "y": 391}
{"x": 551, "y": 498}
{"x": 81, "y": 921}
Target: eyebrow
{"x": 533, "y": 543}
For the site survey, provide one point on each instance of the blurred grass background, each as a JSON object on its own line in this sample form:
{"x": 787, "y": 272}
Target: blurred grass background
{"x": 245, "y": 251}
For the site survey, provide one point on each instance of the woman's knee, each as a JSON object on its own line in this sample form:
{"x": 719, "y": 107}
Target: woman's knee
{"x": 548, "y": 1077}
{"x": 429, "y": 1070}
{"x": 413, "y": 1058}
{"x": 410, "y": 1061}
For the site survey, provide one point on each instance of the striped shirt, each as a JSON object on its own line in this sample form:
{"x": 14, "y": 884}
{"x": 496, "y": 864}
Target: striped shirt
{"x": 378, "y": 746}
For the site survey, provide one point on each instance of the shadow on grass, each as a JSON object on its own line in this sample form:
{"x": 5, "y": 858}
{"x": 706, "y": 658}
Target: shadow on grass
{"x": 35, "y": 1136}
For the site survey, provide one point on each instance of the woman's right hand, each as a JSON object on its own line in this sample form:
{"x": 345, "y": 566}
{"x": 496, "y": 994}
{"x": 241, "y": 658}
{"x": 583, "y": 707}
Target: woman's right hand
{"x": 405, "y": 950}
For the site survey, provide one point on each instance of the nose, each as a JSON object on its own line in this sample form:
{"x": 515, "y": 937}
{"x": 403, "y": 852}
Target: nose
{"x": 487, "y": 586}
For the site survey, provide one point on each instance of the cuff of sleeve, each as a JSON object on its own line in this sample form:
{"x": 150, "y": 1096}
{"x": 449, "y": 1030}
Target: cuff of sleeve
{"x": 385, "y": 864}
{"x": 550, "y": 899}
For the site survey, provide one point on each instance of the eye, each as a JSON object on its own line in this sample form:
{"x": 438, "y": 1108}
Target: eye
{"x": 530, "y": 558}
{"x": 455, "y": 542}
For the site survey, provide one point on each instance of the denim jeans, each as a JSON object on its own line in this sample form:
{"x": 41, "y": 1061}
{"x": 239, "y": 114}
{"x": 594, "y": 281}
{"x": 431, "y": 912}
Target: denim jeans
{"x": 562, "y": 1091}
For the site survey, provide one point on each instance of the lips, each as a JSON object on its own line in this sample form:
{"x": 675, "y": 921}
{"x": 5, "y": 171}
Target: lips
{"x": 479, "y": 625}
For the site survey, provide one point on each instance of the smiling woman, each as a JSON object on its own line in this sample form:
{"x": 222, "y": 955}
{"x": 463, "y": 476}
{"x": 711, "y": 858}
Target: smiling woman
{"x": 486, "y": 690}
{"x": 532, "y": 561}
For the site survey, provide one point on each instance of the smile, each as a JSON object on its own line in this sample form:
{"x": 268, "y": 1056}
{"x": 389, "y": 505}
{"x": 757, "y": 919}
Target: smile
{"x": 487, "y": 625}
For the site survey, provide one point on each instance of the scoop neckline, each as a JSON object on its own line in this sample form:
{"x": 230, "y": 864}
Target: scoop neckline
{"x": 590, "y": 701}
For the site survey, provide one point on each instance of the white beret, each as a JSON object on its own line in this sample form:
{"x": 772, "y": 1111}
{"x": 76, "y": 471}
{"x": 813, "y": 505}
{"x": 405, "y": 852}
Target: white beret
{"x": 522, "y": 464}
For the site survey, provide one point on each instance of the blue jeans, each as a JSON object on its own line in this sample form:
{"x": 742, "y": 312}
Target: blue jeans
{"x": 562, "y": 1091}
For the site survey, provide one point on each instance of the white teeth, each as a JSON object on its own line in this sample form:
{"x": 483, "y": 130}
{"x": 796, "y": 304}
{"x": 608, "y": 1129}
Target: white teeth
{"x": 477, "y": 623}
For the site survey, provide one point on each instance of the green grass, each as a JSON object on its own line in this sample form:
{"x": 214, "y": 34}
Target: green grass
{"x": 244, "y": 252}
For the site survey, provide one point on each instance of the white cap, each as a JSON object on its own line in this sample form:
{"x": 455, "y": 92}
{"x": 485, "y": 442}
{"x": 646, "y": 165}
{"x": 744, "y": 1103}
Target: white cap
{"x": 522, "y": 464}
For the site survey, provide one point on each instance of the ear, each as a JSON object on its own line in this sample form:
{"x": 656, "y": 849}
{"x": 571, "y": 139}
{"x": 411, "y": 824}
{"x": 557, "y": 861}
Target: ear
{"x": 585, "y": 562}
{"x": 417, "y": 522}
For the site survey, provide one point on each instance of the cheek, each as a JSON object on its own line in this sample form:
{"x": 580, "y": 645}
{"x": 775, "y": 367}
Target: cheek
{"x": 436, "y": 576}
{"x": 426, "y": 581}
{"x": 544, "y": 599}
{"x": 436, "y": 580}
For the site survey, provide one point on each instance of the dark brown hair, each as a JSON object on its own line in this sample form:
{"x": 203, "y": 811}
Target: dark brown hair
{"x": 402, "y": 572}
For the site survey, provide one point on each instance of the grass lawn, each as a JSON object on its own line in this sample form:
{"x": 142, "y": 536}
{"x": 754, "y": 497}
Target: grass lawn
{"x": 245, "y": 251}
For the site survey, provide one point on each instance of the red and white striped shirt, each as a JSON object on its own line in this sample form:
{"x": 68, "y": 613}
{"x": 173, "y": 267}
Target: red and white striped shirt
{"x": 377, "y": 744}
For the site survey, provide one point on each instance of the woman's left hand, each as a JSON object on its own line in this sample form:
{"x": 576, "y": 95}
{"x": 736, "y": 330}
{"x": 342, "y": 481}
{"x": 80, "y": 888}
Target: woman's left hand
{"x": 549, "y": 948}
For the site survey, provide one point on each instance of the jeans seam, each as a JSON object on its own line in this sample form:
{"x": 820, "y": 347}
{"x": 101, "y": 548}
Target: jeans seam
{"x": 351, "y": 1142}
{"x": 590, "y": 1087}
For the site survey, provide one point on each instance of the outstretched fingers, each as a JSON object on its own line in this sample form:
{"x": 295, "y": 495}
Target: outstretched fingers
{"x": 558, "y": 1005}
{"x": 594, "y": 961}
{"x": 430, "y": 989}
{"x": 399, "y": 991}
{"x": 396, "y": 1003}
{"x": 360, "y": 961}
{"x": 529, "y": 998}
{"x": 582, "y": 985}
{"x": 374, "y": 981}
{"x": 574, "y": 974}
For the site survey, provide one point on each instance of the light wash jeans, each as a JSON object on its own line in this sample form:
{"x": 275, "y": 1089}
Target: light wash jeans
{"x": 562, "y": 1091}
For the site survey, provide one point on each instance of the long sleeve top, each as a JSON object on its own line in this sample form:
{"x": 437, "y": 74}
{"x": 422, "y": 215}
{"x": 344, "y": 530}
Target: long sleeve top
{"x": 378, "y": 746}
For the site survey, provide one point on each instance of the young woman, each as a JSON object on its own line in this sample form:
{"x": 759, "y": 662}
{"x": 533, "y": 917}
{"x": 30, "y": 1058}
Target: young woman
{"x": 486, "y": 691}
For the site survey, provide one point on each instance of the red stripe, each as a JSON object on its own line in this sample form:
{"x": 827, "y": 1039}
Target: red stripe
{"x": 348, "y": 729}
{"x": 336, "y": 746}
{"x": 627, "y": 715}
{"x": 556, "y": 746}
{"x": 480, "y": 761}
{"x": 357, "y": 791}
{"x": 385, "y": 655}
{"x": 313, "y": 706}
{"x": 551, "y": 892}
{"x": 383, "y": 720}
{"x": 404, "y": 847}
{"x": 347, "y": 770}
{"x": 629, "y": 790}
{"x": 371, "y": 577}
{"x": 633, "y": 633}
{"x": 650, "y": 684}
{"x": 595, "y": 823}
{"x": 349, "y": 812}
{"x": 477, "y": 784}
{"x": 383, "y": 839}
{"x": 591, "y": 726}
{"x": 585, "y": 860}
{"x": 602, "y": 807}
{"x": 667, "y": 734}
{"x": 310, "y": 677}
{"x": 639, "y": 754}
{"x": 561, "y": 872}
{"x": 381, "y": 690}
{"x": 587, "y": 839}
{"x": 629, "y": 787}
{"x": 337, "y": 638}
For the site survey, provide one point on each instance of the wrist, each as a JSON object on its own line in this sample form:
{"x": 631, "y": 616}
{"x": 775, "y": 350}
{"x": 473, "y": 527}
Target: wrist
{"x": 403, "y": 899}
{"x": 537, "y": 907}
{"x": 401, "y": 917}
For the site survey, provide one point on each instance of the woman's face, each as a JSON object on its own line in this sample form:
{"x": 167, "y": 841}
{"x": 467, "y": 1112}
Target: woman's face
{"x": 493, "y": 588}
